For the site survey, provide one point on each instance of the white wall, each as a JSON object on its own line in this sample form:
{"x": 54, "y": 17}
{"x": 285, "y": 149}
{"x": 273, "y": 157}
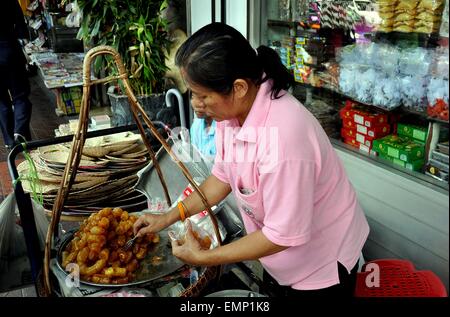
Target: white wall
{"x": 408, "y": 220}
{"x": 236, "y": 15}
{"x": 200, "y": 14}
{"x": 218, "y": 10}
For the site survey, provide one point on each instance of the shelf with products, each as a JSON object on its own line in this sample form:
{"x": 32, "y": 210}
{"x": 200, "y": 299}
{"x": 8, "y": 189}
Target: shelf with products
{"x": 424, "y": 115}
{"x": 62, "y": 74}
{"x": 35, "y": 18}
{"x": 421, "y": 114}
{"x": 280, "y": 23}
{"x": 402, "y": 200}
{"x": 52, "y": 27}
{"x": 425, "y": 179}
{"x": 63, "y": 39}
{"x": 340, "y": 93}
{"x": 399, "y": 38}
{"x": 396, "y": 74}
{"x": 370, "y": 129}
{"x": 63, "y": 22}
{"x": 292, "y": 24}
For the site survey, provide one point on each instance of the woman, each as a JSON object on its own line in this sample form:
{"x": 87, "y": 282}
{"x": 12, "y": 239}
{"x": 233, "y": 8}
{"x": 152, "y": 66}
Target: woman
{"x": 300, "y": 211}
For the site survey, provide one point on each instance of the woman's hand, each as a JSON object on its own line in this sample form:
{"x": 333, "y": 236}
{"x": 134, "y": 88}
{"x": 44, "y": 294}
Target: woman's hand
{"x": 149, "y": 223}
{"x": 189, "y": 251}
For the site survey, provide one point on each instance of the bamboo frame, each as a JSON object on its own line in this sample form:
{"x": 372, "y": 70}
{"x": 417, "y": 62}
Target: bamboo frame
{"x": 77, "y": 147}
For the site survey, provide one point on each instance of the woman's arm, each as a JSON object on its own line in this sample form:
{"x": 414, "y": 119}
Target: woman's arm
{"x": 250, "y": 247}
{"x": 214, "y": 191}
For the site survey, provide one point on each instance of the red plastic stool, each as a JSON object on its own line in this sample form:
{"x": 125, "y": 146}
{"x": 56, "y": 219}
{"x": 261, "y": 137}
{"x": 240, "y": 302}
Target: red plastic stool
{"x": 398, "y": 278}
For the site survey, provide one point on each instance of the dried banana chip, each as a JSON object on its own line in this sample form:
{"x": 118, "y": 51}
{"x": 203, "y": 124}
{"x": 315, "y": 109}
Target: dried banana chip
{"x": 407, "y": 4}
{"x": 431, "y": 4}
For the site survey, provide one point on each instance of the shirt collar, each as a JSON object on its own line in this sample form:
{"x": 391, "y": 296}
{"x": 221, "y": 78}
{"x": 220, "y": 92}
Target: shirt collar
{"x": 212, "y": 128}
{"x": 258, "y": 114}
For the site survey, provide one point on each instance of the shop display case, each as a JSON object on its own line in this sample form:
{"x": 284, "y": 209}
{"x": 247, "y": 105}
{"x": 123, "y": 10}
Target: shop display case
{"x": 322, "y": 55}
{"x": 350, "y": 73}
{"x": 62, "y": 38}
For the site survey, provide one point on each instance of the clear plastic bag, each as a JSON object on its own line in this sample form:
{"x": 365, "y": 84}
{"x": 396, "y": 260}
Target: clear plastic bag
{"x": 347, "y": 83}
{"x": 437, "y": 89}
{"x": 441, "y": 63}
{"x": 179, "y": 230}
{"x": 364, "y": 85}
{"x": 415, "y": 62}
{"x": 7, "y": 230}
{"x": 386, "y": 58}
{"x": 414, "y": 92}
{"x": 367, "y": 53}
{"x": 12, "y": 241}
{"x": 359, "y": 89}
{"x": 203, "y": 223}
{"x": 345, "y": 54}
{"x": 361, "y": 54}
{"x": 386, "y": 91}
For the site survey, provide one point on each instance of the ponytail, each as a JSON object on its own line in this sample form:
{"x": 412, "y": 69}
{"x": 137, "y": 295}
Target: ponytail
{"x": 274, "y": 70}
{"x": 217, "y": 54}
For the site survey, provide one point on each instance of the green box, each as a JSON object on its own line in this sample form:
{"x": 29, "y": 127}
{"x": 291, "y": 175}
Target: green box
{"x": 413, "y": 166}
{"x": 400, "y": 148}
{"x": 412, "y": 131}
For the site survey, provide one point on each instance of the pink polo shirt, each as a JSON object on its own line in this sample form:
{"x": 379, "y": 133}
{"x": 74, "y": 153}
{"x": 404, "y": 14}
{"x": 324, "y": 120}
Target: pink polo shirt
{"x": 289, "y": 182}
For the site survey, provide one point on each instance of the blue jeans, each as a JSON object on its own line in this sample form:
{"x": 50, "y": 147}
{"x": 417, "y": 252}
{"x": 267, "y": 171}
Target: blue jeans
{"x": 15, "y": 108}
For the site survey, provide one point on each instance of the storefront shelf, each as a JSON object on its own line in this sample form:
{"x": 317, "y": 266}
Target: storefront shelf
{"x": 416, "y": 176}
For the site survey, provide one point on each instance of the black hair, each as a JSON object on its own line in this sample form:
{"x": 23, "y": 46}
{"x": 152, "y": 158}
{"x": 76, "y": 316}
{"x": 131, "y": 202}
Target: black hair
{"x": 217, "y": 54}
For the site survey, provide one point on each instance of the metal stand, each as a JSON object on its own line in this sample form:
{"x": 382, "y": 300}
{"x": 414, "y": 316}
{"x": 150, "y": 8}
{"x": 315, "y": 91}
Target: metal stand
{"x": 34, "y": 253}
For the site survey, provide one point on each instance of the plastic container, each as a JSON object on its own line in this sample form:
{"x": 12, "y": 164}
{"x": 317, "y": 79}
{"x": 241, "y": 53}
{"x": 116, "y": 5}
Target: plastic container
{"x": 398, "y": 278}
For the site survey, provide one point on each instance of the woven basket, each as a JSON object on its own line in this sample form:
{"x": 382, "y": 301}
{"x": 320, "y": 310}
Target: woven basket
{"x": 95, "y": 151}
{"x": 75, "y": 156}
{"x": 124, "y": 150}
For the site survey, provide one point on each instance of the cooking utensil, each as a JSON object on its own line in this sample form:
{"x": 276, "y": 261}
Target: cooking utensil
{"x": 159, "y": 262}
{"x": 129, "y": 244}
